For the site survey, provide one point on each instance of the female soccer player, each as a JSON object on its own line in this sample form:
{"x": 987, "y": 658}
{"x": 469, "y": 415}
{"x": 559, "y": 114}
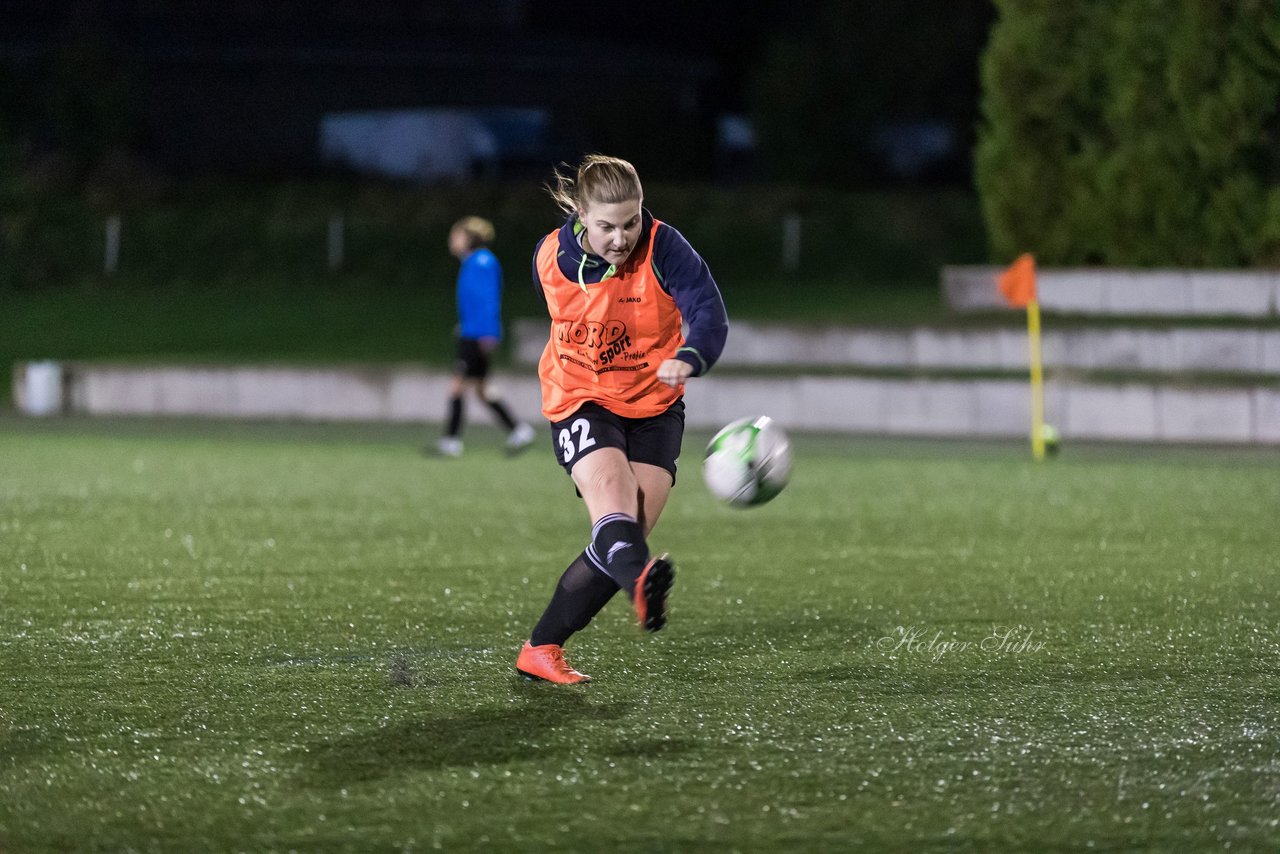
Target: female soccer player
{"x": 479, "y": 331}
{"x": 617, "y": 284}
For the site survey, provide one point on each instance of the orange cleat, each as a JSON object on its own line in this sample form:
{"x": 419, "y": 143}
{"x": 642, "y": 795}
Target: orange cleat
{"x": 652, "y": 587}
{"x": 547, "y": 662}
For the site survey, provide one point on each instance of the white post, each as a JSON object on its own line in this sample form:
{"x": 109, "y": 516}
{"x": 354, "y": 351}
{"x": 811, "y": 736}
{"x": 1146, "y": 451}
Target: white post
{"x": 337, "y": 224}
{"x": 40, "y": 392}
{"x": 111, "y": 257}
{"x": 790, "y": 241}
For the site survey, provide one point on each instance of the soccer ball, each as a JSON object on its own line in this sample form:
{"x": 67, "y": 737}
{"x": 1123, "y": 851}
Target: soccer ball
{"x": 748, "y": 462}
{"x": 1049, "y": 436}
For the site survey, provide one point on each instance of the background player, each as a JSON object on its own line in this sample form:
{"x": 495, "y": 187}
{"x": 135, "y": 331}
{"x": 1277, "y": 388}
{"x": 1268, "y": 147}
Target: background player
{"x": 479, "y": 332}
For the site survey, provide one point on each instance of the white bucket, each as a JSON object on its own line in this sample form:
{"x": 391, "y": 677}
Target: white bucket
{"x": 42, "y": 389}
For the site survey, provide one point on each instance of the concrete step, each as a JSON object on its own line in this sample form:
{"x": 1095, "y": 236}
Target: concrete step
{"x": 1175, "y": 350}
{"x": 1133, "y": 293}
{"x": 1128, "y": 411}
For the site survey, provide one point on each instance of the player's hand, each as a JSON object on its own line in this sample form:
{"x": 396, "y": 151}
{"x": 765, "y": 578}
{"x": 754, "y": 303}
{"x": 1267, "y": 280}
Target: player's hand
{"x": 488, "y": 345}
{"x": 674, "y": 372}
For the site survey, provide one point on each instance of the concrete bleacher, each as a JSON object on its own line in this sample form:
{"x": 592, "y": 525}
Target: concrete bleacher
{"x": 1168, "y": 349}
{"x": 1133, "y": 293}
{"x": 1156, "y": 378}
{"x": 925, "y": 406}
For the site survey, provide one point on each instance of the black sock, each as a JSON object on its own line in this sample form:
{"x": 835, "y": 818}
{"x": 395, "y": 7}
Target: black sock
{"x": 583, "y": 590}
{"x": 455, "y": 417}
{"x": 500, "y": 409}
{"x": 617, "y": 545}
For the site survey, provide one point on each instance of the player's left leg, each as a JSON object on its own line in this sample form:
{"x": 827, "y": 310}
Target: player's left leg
{"x": 649, "y": 597}
{"x": 519, "y": 434}
{"x": 608, "y": 487}
{"x": 655, "y": 485}
{"x": 495, "y": 403}
{"x": 654, "y": 446}
{"x": 612, "y": 493}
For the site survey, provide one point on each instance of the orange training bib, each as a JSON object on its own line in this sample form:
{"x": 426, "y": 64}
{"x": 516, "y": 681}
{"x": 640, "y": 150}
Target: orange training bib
{"x": 607, "y": 339}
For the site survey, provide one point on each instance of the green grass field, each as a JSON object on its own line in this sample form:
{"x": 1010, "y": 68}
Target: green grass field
{"x": 272, "y": 637}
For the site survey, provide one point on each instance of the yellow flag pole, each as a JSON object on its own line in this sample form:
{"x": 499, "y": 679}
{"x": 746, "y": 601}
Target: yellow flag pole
{"x": 1037, "y": 381}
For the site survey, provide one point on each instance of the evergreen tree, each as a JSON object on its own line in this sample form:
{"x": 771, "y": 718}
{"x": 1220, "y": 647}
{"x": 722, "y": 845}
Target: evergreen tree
{"x": 1138, "y": 134}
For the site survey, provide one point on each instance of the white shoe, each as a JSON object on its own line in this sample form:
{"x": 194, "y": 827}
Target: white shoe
{"x": 520, "y": 438}
{"x": 450, "y": 446}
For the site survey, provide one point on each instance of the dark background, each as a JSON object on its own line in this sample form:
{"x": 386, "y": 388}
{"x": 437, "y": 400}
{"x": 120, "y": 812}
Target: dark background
{"x": 837, "y": 92}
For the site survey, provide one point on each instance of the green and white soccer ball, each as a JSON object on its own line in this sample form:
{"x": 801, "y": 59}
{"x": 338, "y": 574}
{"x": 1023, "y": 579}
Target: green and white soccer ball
{"x": 748, "y": 462}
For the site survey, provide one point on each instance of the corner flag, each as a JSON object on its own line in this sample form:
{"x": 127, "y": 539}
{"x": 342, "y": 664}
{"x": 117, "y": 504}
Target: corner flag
{"x": 1018, "y": 285}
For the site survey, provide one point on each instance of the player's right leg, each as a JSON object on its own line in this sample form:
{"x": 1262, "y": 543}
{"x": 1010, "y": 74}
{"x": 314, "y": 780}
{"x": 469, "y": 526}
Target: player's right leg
{"x": 582, "y": 591}
{"x": 547, "y": 663}
{"x": 450, "y": 444}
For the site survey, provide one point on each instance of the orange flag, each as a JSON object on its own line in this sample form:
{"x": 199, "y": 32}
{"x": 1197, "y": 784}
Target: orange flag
{"x": 1018, "y": 283}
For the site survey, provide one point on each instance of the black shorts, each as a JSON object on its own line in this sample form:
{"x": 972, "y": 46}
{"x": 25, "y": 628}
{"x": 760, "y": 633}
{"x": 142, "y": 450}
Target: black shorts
{"x": 654, "y": 440}
{"x": 473, "y": 361}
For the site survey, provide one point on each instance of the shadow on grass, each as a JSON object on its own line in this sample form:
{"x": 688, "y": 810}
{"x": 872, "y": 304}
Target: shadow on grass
{"x": 649, "y": 748}
{"x": 544, "y": 726}
{"x": 24, "y": 747}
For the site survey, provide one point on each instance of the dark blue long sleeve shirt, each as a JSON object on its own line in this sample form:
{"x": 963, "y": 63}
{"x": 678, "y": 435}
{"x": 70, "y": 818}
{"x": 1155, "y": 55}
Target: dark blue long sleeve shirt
{"x": 683, "y": 274}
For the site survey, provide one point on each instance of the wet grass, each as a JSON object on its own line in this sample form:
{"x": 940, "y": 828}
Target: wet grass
{"x": 237, "y": 637}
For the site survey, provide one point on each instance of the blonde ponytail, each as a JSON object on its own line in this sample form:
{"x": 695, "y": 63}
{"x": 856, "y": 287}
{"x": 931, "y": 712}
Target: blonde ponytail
{"x": 599, "y": 178}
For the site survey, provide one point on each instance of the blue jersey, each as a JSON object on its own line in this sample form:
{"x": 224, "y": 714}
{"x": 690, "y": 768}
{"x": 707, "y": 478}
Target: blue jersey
{"x": 480, "y": 296}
